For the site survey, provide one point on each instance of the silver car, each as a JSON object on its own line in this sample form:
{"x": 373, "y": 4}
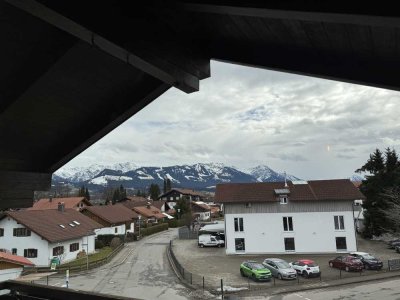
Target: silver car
{"x": 280, "y": 268}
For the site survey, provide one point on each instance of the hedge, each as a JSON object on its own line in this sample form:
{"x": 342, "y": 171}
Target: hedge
{"x": 106, "y": 238}
{"x": 176, "y": 223}
{"x": 153, "y": 229}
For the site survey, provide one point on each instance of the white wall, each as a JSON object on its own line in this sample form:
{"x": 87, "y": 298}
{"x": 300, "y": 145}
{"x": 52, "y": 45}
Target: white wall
{"x": 34, "y": 241}
{"x": 111, "y": 230}
{"x": 67, "y": 255}
{"x": 314, "y": 232}
{"x": 9, "y": 274}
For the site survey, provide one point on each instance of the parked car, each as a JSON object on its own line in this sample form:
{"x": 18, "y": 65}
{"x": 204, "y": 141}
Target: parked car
{"x": 368, "y": 260}
{"x": 347, "y": 263}
{"x": 306, "y": 268}
{"x": 393, "y": 243}
{"x": 208, "y": 240}
{"x": 397, "y": 248}
{"x": 255, "y": 271}
{"x": 280, "y": 268}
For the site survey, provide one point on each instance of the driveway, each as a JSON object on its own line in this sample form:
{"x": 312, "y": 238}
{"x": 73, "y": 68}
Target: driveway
{"x": 141, "y": 270}
{"x": 214, "y": 264}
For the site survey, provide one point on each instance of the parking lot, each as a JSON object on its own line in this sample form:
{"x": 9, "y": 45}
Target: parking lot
{"x": 214, "y": 264}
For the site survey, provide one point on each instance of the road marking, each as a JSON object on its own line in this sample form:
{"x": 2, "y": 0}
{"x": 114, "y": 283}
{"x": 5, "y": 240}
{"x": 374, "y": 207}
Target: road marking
{"x": 57, "y": 283}
{"x": 300, "y": 296}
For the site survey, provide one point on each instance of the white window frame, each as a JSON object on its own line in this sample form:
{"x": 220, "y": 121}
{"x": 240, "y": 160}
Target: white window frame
{"x": 238, "y": 222}
{"x": 286, "y": 222}
{"x": 339, "y": 221}
{"x": 283, "y": 199}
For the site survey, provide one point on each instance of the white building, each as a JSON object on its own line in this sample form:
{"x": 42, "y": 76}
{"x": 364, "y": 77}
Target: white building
{"x": 41, "y": 235}
{"x": 298, "y": 217}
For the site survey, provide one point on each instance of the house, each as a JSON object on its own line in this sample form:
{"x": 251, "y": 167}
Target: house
{"x": 42, "y": 234}
{"x": 76, "y": 203}
{"x": 161, "y": 205}
{"x": 175, "y": 194}
{"x": 11, "y": 266}
{"x": 115, "y": 219}
{"x": 200, "y": 210}
{"x": 297, "y": 217}
{"x": 149, "y": 213}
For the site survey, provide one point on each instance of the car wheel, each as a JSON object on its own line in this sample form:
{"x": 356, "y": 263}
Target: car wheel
{"x": 331, "y": 265}
{"x": 367, "y": 267}
{"x": 305, "y": 274}
{"x": 242, "y": 273}
{"x": 279, "y": 276}
{"x": 201, "y": 245}
{"x": 219, "y": 245}
{"x": 253, "y": 277}
{"x": 347, "y": 269}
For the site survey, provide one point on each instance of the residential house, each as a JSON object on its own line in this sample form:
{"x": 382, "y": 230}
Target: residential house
{"x": 149, "y": 213}
{"x": 115, "y": 219}
{"x": 11, "y": 266}
{"x": 175, "y": 194}
{"x": 76, "y": 203}
{"x": 200, "y": 211}
{"x": 298, "y": 217}
{"x": 42, "y": 234}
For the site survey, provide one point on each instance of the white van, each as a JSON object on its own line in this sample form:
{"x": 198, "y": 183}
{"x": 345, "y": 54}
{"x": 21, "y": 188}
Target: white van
{"x": 208, "y": 240}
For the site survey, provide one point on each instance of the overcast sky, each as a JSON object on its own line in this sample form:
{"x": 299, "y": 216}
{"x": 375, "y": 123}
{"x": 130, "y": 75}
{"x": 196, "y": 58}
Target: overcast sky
{"x": 243, "y": 117}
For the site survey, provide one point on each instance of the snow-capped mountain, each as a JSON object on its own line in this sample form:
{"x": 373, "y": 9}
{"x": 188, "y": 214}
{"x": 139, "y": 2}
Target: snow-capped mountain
{"x": 356, "y": 177}
{"x": 264, "y": 173}
{"x": 201, "y": 176}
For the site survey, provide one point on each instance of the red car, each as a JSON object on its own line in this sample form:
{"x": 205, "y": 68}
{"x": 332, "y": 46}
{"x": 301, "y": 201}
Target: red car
{"x": 347, "y": 263}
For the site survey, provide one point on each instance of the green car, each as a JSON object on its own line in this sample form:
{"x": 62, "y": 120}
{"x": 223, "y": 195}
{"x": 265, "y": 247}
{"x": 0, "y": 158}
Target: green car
{"x": 255, "y": 271}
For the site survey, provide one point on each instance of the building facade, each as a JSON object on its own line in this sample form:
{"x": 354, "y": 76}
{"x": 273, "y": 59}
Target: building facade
{"x": 310, "y": 217}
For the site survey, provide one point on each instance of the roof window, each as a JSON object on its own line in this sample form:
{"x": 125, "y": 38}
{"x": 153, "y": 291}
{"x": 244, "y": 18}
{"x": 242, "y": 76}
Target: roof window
{"x": 76, "y": 222}
{"x": 61, "y": 225}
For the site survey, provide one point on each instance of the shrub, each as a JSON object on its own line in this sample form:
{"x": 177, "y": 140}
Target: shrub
{"x": 107, "y": 238}
{"x": 176, "y": 223}
{"x": 115, "y": 242}
{"x": 154, "y": 229}
{"x": 81, "y": 254}
{"x": 99, "y": 244}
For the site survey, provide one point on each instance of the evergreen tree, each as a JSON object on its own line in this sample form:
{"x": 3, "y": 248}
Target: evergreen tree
{"x": 81, "y": 192}
{"x": 168, "y": 185}
{"x": 116, "y": 196}
{"x": 383, "y": 175}
{"x": 154, "y": 191}
{"x": 122, "y": 193}
{"x": 87, "y": 195}
{"x": 165, "y": 186}
{"x": 183, "y": 206}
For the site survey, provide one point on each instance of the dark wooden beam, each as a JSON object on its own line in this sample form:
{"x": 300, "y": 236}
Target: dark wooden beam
{"x": 302, "y": 62}
{"x": 296, "y": 13}
{"x": 51, "y": 292}
{"x": 153, "y": 65}
{"x": 17, "y": 188}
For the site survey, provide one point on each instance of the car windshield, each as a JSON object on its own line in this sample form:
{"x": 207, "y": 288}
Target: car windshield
{"x": 312, "y": 265}
{"x": 282, "y": 264}
{"x": 367, "y": 256}
{"x": 257, "y": 266}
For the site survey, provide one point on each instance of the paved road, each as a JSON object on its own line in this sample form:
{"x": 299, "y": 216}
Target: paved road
{"x": 383, "y": 290}
{"x": 141, "y": 270}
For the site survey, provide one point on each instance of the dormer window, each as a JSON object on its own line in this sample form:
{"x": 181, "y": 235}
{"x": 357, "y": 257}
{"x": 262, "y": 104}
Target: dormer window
{"x": 283, "y": 199}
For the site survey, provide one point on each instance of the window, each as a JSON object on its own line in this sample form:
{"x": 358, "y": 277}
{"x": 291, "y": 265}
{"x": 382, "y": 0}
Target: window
{"x": 1, "y": 231}
{"x": 30, "y": 253}
{"x": 21, "y": 232}
{"x": 341, "y": 243}
{"x": 238, "y": 224}
{"x": 116, "y": 229}
{"x": 283, "y": 199}
{"x": 58, "y": 250}
{"x": 73, "y": 247}
{"x": 239, "y": 244}
{"x": 287, "y": 224}
{"x": 339, "y": 222}
{"x": 289, "y": 244}
{"x": 14, "y": 251}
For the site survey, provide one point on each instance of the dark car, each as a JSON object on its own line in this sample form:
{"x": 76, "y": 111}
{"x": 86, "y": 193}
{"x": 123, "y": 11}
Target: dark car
{"x": 368, "y": 260}
{"x": 347, "y": 263}
{"x": 393, "y": 243}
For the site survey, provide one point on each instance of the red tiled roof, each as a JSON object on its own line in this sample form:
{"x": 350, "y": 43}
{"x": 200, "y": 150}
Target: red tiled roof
{"x": 70, "y": 202}
{"x": 158, "y": 203}
{"x": 46, "y": 223}
{"x": 334, "y": 189}
{"x": 113, "y": 214}
{"x": 148, "y": 212}
{"x": 184, "y": 192}
{"x": 15, "y": 259}
{"x": 132, "y": 204}
{"x": 136, "y": 198}
{"x": 203, "y": 206}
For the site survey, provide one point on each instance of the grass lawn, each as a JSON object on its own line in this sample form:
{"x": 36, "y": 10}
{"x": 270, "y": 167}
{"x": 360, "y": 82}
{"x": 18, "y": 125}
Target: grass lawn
{"x": 103, "y": 253}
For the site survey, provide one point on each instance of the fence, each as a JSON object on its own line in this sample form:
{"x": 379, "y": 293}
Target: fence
{"x": 83, "y": 266}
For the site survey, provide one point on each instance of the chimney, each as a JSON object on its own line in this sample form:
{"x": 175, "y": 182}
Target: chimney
{"x": 61, "y": 206}
{"x": 148, "y": 205}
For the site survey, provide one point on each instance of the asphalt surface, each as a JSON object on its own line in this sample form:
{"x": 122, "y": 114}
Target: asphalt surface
{"x": 141, "y": 270}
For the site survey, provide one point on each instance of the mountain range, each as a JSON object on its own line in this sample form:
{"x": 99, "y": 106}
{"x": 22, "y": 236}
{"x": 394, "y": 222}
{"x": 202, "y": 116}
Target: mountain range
{"x": 200, "y": 176}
